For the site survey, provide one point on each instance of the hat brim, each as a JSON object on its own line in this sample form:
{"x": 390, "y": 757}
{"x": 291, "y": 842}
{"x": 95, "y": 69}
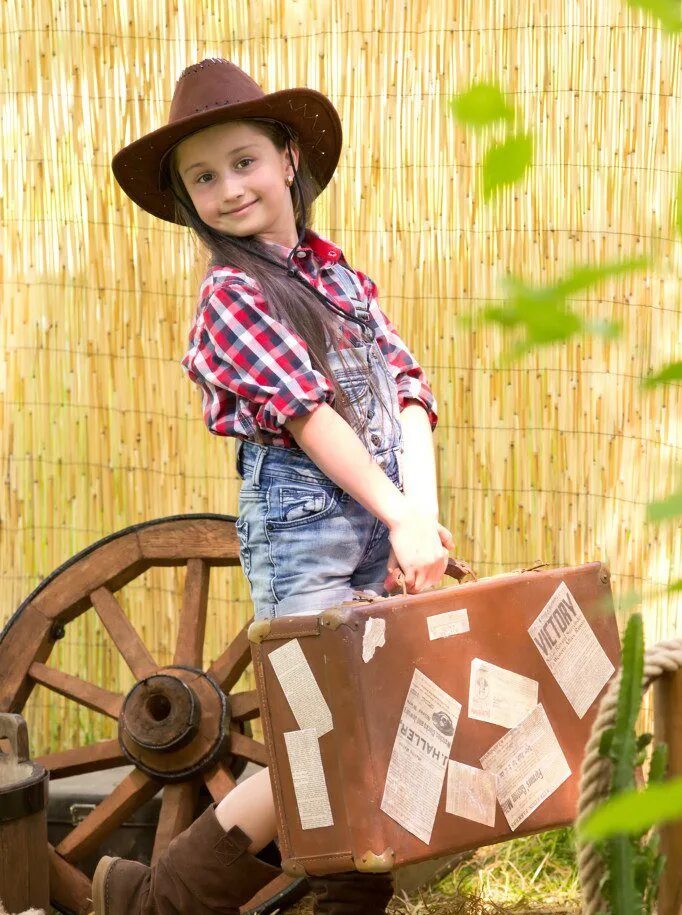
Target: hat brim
{"x": 136, "y": 166}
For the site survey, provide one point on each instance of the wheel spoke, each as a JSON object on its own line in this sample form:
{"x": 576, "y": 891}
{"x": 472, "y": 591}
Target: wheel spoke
{"x": 232, "y": 663}
{"x": 135, "y": 790}
{"x": 242, "y": 745}
{"x": 104, "y": 755}
{"x": 245, "y": 706}
{"x": 177, "y": 814}
{"x": 270, "y": 891}
{"x": 69, "y": 887}
{"x": 219, "y": 781}
{"x": 93, "y": 697}
{"x": 123, "y": 634}
{"x": 191, "y": 631}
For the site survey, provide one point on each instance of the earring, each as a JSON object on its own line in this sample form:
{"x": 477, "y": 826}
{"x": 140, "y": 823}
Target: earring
{"x": 289, "y": 180}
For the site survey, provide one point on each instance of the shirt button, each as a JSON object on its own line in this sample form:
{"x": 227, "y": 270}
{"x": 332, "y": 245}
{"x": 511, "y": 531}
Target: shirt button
{"x": 301, "y": 254}
{"x": 376, "y": 439}
{"x": 370, "y": 414}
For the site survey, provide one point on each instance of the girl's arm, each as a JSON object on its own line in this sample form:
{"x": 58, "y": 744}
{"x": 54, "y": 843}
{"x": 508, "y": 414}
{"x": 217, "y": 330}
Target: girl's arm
{"x": 419, "y": 462}
{"x": 335, "y": 447}
{"x": 417, "y": 539}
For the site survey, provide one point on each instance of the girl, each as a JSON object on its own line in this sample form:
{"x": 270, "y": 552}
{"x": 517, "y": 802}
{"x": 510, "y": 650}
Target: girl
{"x": 332, "y": 413}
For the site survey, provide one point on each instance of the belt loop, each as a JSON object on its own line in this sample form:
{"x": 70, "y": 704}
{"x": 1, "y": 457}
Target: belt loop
{"x": 260, "y": 456}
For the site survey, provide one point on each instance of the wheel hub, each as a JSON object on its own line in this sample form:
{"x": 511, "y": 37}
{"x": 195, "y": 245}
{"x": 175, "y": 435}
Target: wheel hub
{"x": 175, "y": 723}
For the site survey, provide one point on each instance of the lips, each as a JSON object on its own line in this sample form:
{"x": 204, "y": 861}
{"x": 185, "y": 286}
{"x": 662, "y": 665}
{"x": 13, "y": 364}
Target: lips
{"x": 241, "y": 209}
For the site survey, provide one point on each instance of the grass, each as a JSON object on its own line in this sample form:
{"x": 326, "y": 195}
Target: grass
{"x": 537, "y": 874}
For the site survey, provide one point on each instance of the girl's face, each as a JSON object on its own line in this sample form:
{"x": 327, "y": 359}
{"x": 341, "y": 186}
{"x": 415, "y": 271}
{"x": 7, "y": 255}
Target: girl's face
{"x": 233, "y": 165}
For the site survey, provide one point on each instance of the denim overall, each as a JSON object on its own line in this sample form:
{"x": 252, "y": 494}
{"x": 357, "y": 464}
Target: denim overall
{"x": 305, "y": 543}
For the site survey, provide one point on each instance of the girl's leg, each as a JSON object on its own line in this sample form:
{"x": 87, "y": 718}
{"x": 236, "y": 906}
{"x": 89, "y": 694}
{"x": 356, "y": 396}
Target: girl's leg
{"x": 209, "y": 869}
{"x": 251, "y": 807}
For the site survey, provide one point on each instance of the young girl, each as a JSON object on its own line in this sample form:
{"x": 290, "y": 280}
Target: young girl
{"x": 332, "y": 413}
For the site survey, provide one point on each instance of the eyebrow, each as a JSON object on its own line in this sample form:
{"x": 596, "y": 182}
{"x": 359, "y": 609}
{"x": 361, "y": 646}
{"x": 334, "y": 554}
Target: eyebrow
{"x": 204, "y": 164}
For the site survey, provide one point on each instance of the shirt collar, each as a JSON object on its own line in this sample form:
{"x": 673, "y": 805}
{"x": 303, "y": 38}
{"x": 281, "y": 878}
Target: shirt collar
{"x": 323, "y": 250}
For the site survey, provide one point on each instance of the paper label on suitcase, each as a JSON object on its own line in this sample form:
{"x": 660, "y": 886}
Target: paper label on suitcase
{"x": 471, "y": 793}
{"x": 443, "y": 625}
{"x": 571, "y": 650}
{"x": 529, "y": 764}
{"x": 499, "y": 695}
{"x": 300, "y": 687}
{"x": 419, "y": 758}
{"x": 374, "y": 637}
{"x": 307, "y": 773}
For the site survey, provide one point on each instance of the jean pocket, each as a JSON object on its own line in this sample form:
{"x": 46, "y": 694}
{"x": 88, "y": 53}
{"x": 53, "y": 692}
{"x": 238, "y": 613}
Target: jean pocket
{"x": 292, "y": 506}
{"x": 242, "y": 526}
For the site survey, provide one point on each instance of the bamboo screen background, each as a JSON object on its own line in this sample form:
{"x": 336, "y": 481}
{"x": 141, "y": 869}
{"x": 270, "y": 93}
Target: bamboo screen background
{"x": 553, "y": 458}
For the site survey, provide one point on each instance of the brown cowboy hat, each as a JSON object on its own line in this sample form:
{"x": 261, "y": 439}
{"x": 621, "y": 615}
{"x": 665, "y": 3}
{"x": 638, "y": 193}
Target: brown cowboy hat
{"x": 217, "y": 90}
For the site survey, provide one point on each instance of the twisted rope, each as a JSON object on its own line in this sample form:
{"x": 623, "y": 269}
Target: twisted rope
{"x": 595, "y": 772}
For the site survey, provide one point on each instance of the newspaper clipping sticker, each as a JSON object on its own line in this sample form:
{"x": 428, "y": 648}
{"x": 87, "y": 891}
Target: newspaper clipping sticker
{"x": 307, "y": 773}
{"x": 443, "y": 625}
{"x": 571, "y": 650}
{"x": 471, "y": 793}
{"x": 373, "y": 637}
{"x": 498, "y": 695}
{"x": 529, "y": 764}
{"x": 419, "y": 758}
{"x": 300, "y": 687}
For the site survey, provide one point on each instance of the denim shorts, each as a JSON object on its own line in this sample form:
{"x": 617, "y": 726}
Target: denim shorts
{"x": 305, "y": 543}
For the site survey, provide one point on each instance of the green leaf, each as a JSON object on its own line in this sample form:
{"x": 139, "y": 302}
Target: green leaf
{"x": 667, "y": 12}
{"x": 670, "y": 372}
{"x": 505, "y": 163}
{"x": 634, "y": 811}
{"x": 675, "y": 586}
{"x": 481, "y": 104}
{"x": 665, "y": 509}
{"x": 586, "y": 275}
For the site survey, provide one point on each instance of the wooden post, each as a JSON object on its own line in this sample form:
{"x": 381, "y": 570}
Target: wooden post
{"x": 668, "y": 728}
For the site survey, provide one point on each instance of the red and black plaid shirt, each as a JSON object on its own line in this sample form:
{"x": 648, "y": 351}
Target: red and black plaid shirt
{"x": 254, "y": 371}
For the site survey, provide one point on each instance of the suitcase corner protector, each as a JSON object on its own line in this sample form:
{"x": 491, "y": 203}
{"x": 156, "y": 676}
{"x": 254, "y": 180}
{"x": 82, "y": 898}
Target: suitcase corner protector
{"x": 293, "y": 867}
{"x": 335, "y": 617}
{"x": 259, "y": 630}
{"x": 371, "y": 863}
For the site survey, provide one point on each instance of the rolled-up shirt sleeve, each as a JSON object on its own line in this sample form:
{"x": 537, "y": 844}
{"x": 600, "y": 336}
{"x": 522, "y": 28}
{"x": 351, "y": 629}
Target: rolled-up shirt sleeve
{"x": 409, "y": 375}
{"x": 241, "y": 349}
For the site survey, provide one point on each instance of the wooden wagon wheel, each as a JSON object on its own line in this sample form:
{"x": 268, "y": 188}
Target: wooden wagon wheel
{"x": 180, "y": 726}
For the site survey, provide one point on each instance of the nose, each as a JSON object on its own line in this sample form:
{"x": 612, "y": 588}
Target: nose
{"x": 232, "y": 189}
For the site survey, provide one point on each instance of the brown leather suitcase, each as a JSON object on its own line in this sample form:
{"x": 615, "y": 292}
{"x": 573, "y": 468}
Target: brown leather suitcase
{"x": 408, "y": 727}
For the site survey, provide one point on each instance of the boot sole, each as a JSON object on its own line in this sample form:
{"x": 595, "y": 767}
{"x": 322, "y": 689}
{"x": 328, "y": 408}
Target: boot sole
{"x": 99, "y": 883}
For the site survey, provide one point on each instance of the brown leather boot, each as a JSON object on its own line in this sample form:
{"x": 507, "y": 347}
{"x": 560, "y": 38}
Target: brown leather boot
{"x": 351, "y": 893}
{"x": 204, "y": 871}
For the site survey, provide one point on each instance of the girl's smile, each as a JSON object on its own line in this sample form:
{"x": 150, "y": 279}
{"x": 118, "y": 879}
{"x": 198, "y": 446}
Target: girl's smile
{"x": 240, "y": 210}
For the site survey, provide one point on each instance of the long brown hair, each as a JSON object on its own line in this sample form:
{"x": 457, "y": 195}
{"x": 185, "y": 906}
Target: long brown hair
{"x": 288, "y": 300}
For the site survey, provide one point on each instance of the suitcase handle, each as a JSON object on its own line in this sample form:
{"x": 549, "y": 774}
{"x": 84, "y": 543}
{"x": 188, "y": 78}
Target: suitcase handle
{"x": 456, "y": 568}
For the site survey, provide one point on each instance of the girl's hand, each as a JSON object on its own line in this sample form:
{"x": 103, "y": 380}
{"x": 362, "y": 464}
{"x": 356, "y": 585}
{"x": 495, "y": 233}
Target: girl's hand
{"x": 419, "y": 578}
